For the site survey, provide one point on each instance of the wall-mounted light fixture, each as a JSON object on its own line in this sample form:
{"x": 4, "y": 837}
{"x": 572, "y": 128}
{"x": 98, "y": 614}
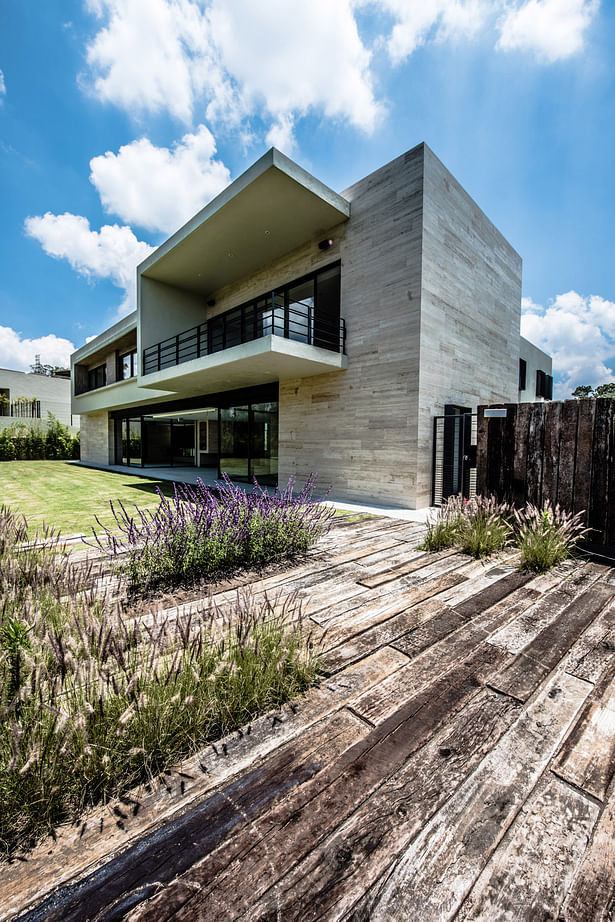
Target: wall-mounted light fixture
{"x": 325, "y": 244}
{"x": 211, "y": 302}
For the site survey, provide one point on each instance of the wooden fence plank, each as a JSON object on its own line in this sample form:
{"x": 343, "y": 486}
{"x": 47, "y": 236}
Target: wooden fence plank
{"x": 567, "y": 452}
{"x": 535, "y": 448}
{"x": 597, "y": 501}
{"x": 550, "y": 472}
{"x": 584, "y": 455}
{"x": 522, "y": 427}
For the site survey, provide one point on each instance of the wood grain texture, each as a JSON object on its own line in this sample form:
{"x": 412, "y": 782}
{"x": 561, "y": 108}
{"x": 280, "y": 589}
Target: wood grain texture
{"x": 529, "y": 876}
{"x": 434, "y": 876}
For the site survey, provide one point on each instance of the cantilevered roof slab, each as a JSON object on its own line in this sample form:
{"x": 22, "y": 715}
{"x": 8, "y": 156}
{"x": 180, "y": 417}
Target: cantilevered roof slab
{"x": 271, "y": 209}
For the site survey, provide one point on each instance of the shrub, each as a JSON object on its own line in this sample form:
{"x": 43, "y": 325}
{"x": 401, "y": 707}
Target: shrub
{"x": 547, "y": 536}
{"x": 93, "y": 703}
{"x": 32, "y": 443}
{"x": 196, "y": 533}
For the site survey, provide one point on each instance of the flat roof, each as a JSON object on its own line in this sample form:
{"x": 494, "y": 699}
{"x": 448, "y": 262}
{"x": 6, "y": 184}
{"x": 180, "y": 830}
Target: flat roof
{"x": 272, "y": 208}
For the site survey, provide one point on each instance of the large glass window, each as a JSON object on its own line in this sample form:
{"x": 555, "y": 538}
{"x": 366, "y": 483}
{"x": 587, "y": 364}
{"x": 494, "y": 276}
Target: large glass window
{"x": 264, "y": 442}
{"x": 128, "y": 365}
{"x": 235, "y": 442}
{"x": 301, "y": 312}
{"x": 249, "y": 442}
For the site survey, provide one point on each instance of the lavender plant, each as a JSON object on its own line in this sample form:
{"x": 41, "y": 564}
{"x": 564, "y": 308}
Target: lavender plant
{"x": 195, "y": 532}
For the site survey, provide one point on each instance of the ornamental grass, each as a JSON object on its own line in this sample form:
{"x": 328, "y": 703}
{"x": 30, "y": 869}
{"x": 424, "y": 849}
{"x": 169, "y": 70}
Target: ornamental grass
{"x": 96, "y": 697}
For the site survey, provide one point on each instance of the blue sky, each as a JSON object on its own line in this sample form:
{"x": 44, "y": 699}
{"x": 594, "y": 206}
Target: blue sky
{"x": 120, "y": 118}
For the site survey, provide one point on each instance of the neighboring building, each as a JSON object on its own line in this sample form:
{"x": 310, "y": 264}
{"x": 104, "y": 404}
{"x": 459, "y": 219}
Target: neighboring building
{"x": 29, "y": 398}
{"x": 535, "y": 377}
{"x": 287, "y": 329}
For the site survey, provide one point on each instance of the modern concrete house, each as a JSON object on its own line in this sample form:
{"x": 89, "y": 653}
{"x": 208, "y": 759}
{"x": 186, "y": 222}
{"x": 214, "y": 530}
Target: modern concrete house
{"x": 28, "y": 398}
{"x": 287, "y": 329}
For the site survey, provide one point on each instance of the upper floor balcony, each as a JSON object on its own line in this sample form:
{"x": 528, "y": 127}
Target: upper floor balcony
{"x": 268, "y": 316}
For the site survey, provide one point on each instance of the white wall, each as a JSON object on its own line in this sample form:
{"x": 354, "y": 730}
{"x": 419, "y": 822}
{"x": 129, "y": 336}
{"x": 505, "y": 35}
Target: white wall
{"x": 53, "y": 393}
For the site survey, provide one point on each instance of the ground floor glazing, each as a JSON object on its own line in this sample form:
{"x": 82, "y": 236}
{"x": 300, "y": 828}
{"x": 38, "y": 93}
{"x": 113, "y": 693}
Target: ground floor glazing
{"x": 236, "y": 434}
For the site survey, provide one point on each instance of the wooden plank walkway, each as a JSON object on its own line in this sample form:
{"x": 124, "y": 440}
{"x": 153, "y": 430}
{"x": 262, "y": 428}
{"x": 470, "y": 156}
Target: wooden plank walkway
{"x": 456, "y": 762}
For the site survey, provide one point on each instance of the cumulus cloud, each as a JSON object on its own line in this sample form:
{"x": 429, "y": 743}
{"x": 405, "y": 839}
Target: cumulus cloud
{"x": 18, "y": 354}
{"x": 579, "y": 332}
{"x": 226, "y": 62}
{"x": 111, "y": 253}
{"x": 160, "y": 188}
{"x": 151, "y": 55}
{"x": 551, "y": 29}
{"x": 273, "y": 58}
{"x": 439, "y": 20}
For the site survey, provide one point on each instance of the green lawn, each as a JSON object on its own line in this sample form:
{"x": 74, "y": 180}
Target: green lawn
{"x": 68, "y": 496}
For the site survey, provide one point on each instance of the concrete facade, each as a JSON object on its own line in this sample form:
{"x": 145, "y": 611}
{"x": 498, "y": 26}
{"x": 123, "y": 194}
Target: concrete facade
{"x": 431, "y": 299}
{"x": 52, "y": 393}
{"x": 536, "y": 360}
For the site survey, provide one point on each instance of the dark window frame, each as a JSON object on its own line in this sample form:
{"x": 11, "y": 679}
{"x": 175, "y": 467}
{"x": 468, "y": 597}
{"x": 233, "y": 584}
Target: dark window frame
{"x": 97, "y": 377}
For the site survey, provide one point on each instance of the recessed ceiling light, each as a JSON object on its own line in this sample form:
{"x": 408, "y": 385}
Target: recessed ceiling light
{"x": 267, "y": 233}
{"x": 230, "y": 254}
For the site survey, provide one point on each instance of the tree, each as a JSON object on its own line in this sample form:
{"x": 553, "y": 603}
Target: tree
{"x": 586, "y": 390}
{"x": 605, "y": 390}
{"x": 583, "y": 390}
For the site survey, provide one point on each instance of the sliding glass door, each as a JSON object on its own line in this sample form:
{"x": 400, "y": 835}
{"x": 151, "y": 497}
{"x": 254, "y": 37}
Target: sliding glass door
{"x": 249, "y": 442}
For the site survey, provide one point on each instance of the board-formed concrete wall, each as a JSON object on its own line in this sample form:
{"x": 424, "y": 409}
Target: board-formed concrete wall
{"x": 535, "y": 360}
{"x": 357, "y": 428}
{"x": 97, "y": 439}
{"x": 470, "y": 309}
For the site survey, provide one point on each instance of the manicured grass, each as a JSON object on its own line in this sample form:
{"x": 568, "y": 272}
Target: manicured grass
{"x": 67, "y": 496}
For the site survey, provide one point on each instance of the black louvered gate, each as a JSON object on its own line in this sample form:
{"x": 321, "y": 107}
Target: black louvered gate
{"x": 454, "y": 454}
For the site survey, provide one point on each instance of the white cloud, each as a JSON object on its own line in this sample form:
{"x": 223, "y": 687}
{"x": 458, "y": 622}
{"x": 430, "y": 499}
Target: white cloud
{"x": 416, "y": 23}
{"x": 18, "y": 354}
{"x": 296, "y": 57}
{"x": 111, "y": 253}
{"x": 579, "y": 332}
{"x": 156, "y": 187}
{"x": 2, "y": 85}
{"x": 151, "y": 55}
{"x": 551, "y": 29}
{"x": 228, "y": 60}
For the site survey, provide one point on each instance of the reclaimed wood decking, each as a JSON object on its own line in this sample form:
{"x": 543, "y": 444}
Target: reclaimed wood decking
{"x": 456, "y": 762}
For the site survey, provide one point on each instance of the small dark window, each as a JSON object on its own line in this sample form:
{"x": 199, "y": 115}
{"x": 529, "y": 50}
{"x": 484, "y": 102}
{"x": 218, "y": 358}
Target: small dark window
{"x": 544, "y": 385}
{"x": 522, "y": 374}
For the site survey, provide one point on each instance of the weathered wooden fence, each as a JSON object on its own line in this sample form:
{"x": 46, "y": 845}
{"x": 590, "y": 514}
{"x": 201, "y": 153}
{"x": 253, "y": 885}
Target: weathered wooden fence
{"x": 558, "y": 451}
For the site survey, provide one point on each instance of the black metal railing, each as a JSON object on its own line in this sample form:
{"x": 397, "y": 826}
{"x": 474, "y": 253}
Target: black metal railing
{"x": 298, "y": 322}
